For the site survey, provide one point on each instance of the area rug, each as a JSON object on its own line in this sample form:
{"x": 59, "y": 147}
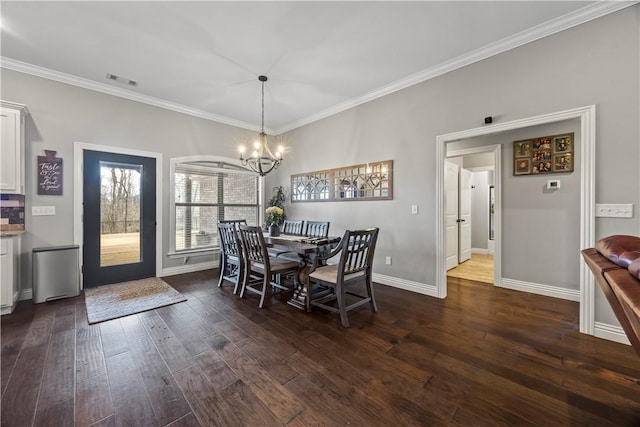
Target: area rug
{"x": 122, "y": 299}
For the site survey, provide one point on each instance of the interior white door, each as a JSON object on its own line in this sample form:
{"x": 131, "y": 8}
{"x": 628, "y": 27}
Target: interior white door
{"x": 464, "y": 217}
{"x": 451, "y": 186}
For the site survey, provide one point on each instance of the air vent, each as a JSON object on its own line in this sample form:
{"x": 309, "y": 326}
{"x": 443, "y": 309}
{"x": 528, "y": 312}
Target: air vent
{"x": 122, "y": 80}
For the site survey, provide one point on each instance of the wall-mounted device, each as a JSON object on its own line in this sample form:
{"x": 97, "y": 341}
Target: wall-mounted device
{"x": 553, "y": 184}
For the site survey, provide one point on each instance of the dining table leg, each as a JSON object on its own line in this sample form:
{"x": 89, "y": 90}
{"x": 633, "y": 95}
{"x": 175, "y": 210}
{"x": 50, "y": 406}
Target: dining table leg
{"x": 300, "y": 298}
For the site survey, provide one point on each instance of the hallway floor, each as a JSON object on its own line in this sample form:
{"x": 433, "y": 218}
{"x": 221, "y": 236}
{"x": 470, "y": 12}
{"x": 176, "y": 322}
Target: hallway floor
{"x": 478, "y": 268}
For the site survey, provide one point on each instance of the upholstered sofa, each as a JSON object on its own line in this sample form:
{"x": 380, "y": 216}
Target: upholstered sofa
{"x": 615, "y": 262}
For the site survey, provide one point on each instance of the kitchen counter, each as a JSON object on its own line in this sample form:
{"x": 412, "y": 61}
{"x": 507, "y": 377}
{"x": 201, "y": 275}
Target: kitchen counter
{"x": 11, "y": 233}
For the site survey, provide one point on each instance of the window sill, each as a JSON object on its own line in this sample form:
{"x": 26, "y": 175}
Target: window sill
{"x": 193, "y": 252}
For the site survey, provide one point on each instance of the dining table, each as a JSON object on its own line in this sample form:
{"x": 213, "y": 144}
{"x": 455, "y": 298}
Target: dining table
{"x": 307, "y": 249}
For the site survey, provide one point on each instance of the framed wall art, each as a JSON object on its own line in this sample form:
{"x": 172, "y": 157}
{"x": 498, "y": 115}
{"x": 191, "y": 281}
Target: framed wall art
{"x": 543, "y": 155}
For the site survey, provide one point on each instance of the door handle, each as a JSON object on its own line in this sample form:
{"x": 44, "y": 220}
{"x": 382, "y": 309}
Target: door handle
{"x": 460, "y": 220}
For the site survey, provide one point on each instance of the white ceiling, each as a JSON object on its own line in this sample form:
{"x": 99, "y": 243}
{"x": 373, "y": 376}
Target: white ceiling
{"x": 204, "y": 58}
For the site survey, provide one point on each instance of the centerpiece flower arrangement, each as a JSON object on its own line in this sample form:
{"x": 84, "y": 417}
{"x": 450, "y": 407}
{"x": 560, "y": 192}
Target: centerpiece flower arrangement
{"x": 275, "y": 211}
{"x": 274, "y": 215}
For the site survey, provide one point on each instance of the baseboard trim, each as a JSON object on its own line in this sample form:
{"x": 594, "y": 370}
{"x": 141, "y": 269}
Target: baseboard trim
{"x": 611, "y": 333}
{"x": 479, "y": 251}
{"x": 189, "y": 268}
{"x": 25, "y": 294}
{"x": 540, "y": 289}
{"x": 407, "y": 285}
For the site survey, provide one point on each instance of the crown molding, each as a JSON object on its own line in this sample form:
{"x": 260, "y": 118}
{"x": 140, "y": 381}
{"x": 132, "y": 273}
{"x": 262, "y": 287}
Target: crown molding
{"x": 586, "y": 14}
{"x": 580, "y": 16}
{"x": 34, "y": 70}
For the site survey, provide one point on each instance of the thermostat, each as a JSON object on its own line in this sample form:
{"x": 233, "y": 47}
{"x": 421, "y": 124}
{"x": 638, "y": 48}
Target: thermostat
{"x": 553, "y": 184}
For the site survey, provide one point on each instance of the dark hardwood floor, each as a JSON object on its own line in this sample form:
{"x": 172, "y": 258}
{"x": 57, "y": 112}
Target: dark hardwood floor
{"x": 484, "y": 356}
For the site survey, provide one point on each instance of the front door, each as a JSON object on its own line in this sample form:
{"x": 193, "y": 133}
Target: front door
{"x": 119, "y": 218}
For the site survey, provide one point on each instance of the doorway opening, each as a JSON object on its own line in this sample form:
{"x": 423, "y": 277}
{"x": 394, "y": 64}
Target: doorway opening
{"x": 586, "y": 117}
{"x": 470, "y": 254}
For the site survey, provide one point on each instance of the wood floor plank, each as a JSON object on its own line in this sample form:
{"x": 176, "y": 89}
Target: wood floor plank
{"x": 217, "y": 371}
{"x": 20, "y": 398}
{"x": 188, "y": 420}
{"x": 208, "y": 407}
{"x": 59, "y": 414}
{"x": 105, "y": 422}
{"x": 58, "y": 379}
{"x": 250, "y": 410}
{"x": 41, "y": 325}
{"x": 166, "y": 399}
{"x": 14, "y": 332}
{"x": 186, "y": 330}
{"x": 174, "y": 354}
{"x": 93, "y": 400}
{"x": 128, "y": 393}
{"x": 65, "y": 319}
{"x": 284, "y": 405}
{"x": 113, "y": 338}
{"x": 89, "y": 353}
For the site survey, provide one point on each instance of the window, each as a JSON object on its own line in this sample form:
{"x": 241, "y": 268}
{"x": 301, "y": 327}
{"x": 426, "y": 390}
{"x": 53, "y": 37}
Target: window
{"x": 205, "y": 192}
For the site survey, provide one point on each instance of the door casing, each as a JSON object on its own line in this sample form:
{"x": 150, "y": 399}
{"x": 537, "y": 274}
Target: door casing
{"x": 78, "y": 151}
{"x": 587, "y": 117}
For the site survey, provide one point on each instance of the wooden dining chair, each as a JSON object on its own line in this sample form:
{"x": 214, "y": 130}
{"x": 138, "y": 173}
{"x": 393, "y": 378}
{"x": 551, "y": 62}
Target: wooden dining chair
{"x": 231, "y": 262}
{"x": 356, "y": 251}
{"x": 236, "y": 222}
{"x": 316, "y": 229}
{"x": 260, "y": 269}
{"x": 292, "y": 226}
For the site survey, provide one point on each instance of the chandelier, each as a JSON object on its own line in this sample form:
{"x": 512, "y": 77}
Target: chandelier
{"x": 262, "y": 160}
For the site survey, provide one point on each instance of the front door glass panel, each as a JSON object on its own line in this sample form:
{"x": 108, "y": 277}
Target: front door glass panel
{"x": 120, "y": 213}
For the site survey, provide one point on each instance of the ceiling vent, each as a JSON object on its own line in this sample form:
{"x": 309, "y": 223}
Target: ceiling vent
{"x": 122, "y": 80}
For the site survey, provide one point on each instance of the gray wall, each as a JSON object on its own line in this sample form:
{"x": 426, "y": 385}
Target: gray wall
{"x": 594, "y": 63}
{"x": 60, "y": 115}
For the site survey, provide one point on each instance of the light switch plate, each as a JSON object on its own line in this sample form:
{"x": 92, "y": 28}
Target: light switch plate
{"x": 414, "y": 209}
{"x": 614, "y": 210}
{"x": 43, "y": 210}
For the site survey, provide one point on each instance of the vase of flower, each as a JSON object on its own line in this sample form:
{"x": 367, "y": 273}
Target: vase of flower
{"x": 274, "y": 217}
{"x": 274, "y": 230}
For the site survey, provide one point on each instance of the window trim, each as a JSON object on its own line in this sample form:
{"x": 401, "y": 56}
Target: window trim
{"x": 173, "y": 164}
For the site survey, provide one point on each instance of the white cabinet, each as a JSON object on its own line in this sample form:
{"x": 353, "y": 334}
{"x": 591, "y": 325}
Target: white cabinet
{"x": 9, "y": 273}
{"x": 12, "y": 147}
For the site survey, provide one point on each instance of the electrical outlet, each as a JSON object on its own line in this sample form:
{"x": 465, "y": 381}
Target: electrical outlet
{"x": 414, "y": 209}
{"x": 388, "y": 260}
{"x": 43, "y": 210}
{"x": 614, "y": 210}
